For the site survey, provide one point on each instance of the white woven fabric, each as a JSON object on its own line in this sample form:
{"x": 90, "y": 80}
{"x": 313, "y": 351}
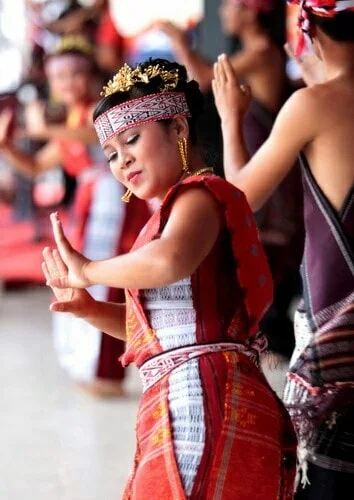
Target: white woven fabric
{"x": 172, "y": 316}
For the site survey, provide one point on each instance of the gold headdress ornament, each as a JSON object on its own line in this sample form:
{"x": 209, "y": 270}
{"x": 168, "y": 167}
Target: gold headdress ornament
{"x": 127, "y": 77}
{"x": 78, "y": 43}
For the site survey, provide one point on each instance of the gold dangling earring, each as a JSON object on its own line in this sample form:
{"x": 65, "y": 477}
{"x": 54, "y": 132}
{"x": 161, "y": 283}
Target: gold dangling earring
{"x": 126, "y": 197}
{"x": 183, "y": 151}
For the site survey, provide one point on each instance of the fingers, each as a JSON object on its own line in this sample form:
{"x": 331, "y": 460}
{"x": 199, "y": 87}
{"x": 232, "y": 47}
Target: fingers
{"x": 51, "y": 266}
{"x": 63, "y": 245}
{"x": 45, "y": 271}
{"x": 227, "y": 69}
{"x": 65, "y": 307}
{"x": 61, "y": 282}
{"x": 219, "y": 73}
{"x": 62, "y": 269}
{"x": 167, "y": 27}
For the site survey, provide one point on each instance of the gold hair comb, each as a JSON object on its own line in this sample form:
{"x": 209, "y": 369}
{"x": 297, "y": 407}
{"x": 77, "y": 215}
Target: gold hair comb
{"x": 78, "y": 43}
{"x": 127, "y": 77}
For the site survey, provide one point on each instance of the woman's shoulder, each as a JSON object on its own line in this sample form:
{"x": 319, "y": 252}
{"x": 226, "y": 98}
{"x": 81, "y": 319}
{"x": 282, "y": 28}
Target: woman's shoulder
{"x": 216, "y": 185}
{"x": 206, "y": 189}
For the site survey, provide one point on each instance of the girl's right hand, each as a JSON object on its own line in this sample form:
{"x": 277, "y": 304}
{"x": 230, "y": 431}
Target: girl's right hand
{"x": 74, "y": 262}
{"x": 5, "y": 123}
{"x": 232, "y": 100}
{"x": 69, "y": 300}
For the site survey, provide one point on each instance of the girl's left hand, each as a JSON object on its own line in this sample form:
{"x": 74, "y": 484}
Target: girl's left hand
{"x": 35, "y": 122}
{"x": 68, "y": 300}
{"x": 73, "y": 260}
{"x": 232, "y": 99}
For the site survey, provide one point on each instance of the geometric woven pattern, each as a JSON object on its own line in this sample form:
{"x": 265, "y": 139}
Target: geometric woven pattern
{"x": 161, "y": 106}
{"x": 162, "y": 364}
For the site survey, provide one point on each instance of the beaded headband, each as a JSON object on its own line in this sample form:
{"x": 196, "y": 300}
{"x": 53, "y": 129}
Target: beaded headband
{"x": 323, "y": 8}
{"x": 150, "y": 108}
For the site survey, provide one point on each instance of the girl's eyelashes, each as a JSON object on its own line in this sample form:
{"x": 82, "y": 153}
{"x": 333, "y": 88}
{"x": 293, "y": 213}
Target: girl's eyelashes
{"x": 132, "y": 139}
{"x": 113, "y": 156}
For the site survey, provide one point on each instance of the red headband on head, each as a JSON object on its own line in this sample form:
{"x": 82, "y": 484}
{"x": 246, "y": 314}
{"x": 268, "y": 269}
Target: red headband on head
{"x": 145, "y": 109}
{"x": 323, "y": 8}
{"x": 261, "y": 5}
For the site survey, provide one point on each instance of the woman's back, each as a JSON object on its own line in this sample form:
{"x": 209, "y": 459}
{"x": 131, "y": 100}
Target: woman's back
{"x": 330, "y": 154}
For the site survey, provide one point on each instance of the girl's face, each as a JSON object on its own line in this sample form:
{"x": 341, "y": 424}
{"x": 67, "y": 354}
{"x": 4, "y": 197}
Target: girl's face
{"x": 231, "y": 16}
{"x": 69, "y": 79}
{"x": 146, "y": 159}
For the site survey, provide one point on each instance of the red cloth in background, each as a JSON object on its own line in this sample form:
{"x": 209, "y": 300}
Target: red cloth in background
{"x": 107, "y": 34}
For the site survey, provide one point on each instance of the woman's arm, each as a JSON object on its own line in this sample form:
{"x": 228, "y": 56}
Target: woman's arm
{"x": 108, "y": 317}
{"x": 294, "y": 127}
{"x": 45, "y": 159}
{"x": 198, "y": 67}
{"x": 38, "y": 128}
{"x": 85, "y": 134}
{"x": 186, "y": 240}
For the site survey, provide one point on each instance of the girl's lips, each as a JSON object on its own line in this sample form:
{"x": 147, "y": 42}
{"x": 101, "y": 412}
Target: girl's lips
{"x": 134, "y": 177}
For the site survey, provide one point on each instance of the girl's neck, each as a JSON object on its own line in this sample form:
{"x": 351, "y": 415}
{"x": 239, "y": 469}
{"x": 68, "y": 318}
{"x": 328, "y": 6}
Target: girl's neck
{"x": 254, "y": 36}
{"x": 338, "y": 60}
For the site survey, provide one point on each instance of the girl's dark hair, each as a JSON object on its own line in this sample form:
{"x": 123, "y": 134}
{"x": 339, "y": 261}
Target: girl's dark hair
{"x": 340, "y": 28}
{"x": 191, "y": 90}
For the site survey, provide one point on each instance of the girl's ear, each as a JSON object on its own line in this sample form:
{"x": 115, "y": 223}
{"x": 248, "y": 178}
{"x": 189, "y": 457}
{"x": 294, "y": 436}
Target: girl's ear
{"x": 180, "y": 126}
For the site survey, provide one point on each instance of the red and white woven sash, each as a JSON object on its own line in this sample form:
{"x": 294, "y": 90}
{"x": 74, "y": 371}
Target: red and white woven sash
{"x": 154, "y": 369}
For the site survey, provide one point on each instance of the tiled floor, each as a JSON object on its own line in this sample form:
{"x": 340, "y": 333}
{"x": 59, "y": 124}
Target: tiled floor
{"x": 55, "y": 442}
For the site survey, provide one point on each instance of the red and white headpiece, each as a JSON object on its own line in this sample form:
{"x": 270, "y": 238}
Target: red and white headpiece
{"x": 323, "y": 8}
{"x": 261, "y": 5}
{"x": 149, "y": 108}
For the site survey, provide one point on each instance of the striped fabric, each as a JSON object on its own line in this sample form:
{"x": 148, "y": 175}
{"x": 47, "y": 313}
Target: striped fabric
{"x": 320, "y": 387}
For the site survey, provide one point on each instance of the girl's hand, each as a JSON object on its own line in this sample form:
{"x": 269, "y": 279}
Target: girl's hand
{"x": 231, "y": 99}
{"x": 75, "y": 263}
{"x": 176, "y": 34}
{"x": 6, "y": 118}
{"x": 69, "y": 300}
{"x": 35, "y": 120}
{"x": 312, "y": 68}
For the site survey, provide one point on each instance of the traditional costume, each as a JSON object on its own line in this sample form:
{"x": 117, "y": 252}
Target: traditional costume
{"x": 319, "y": 393}
{"x": 209, "y": 426}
